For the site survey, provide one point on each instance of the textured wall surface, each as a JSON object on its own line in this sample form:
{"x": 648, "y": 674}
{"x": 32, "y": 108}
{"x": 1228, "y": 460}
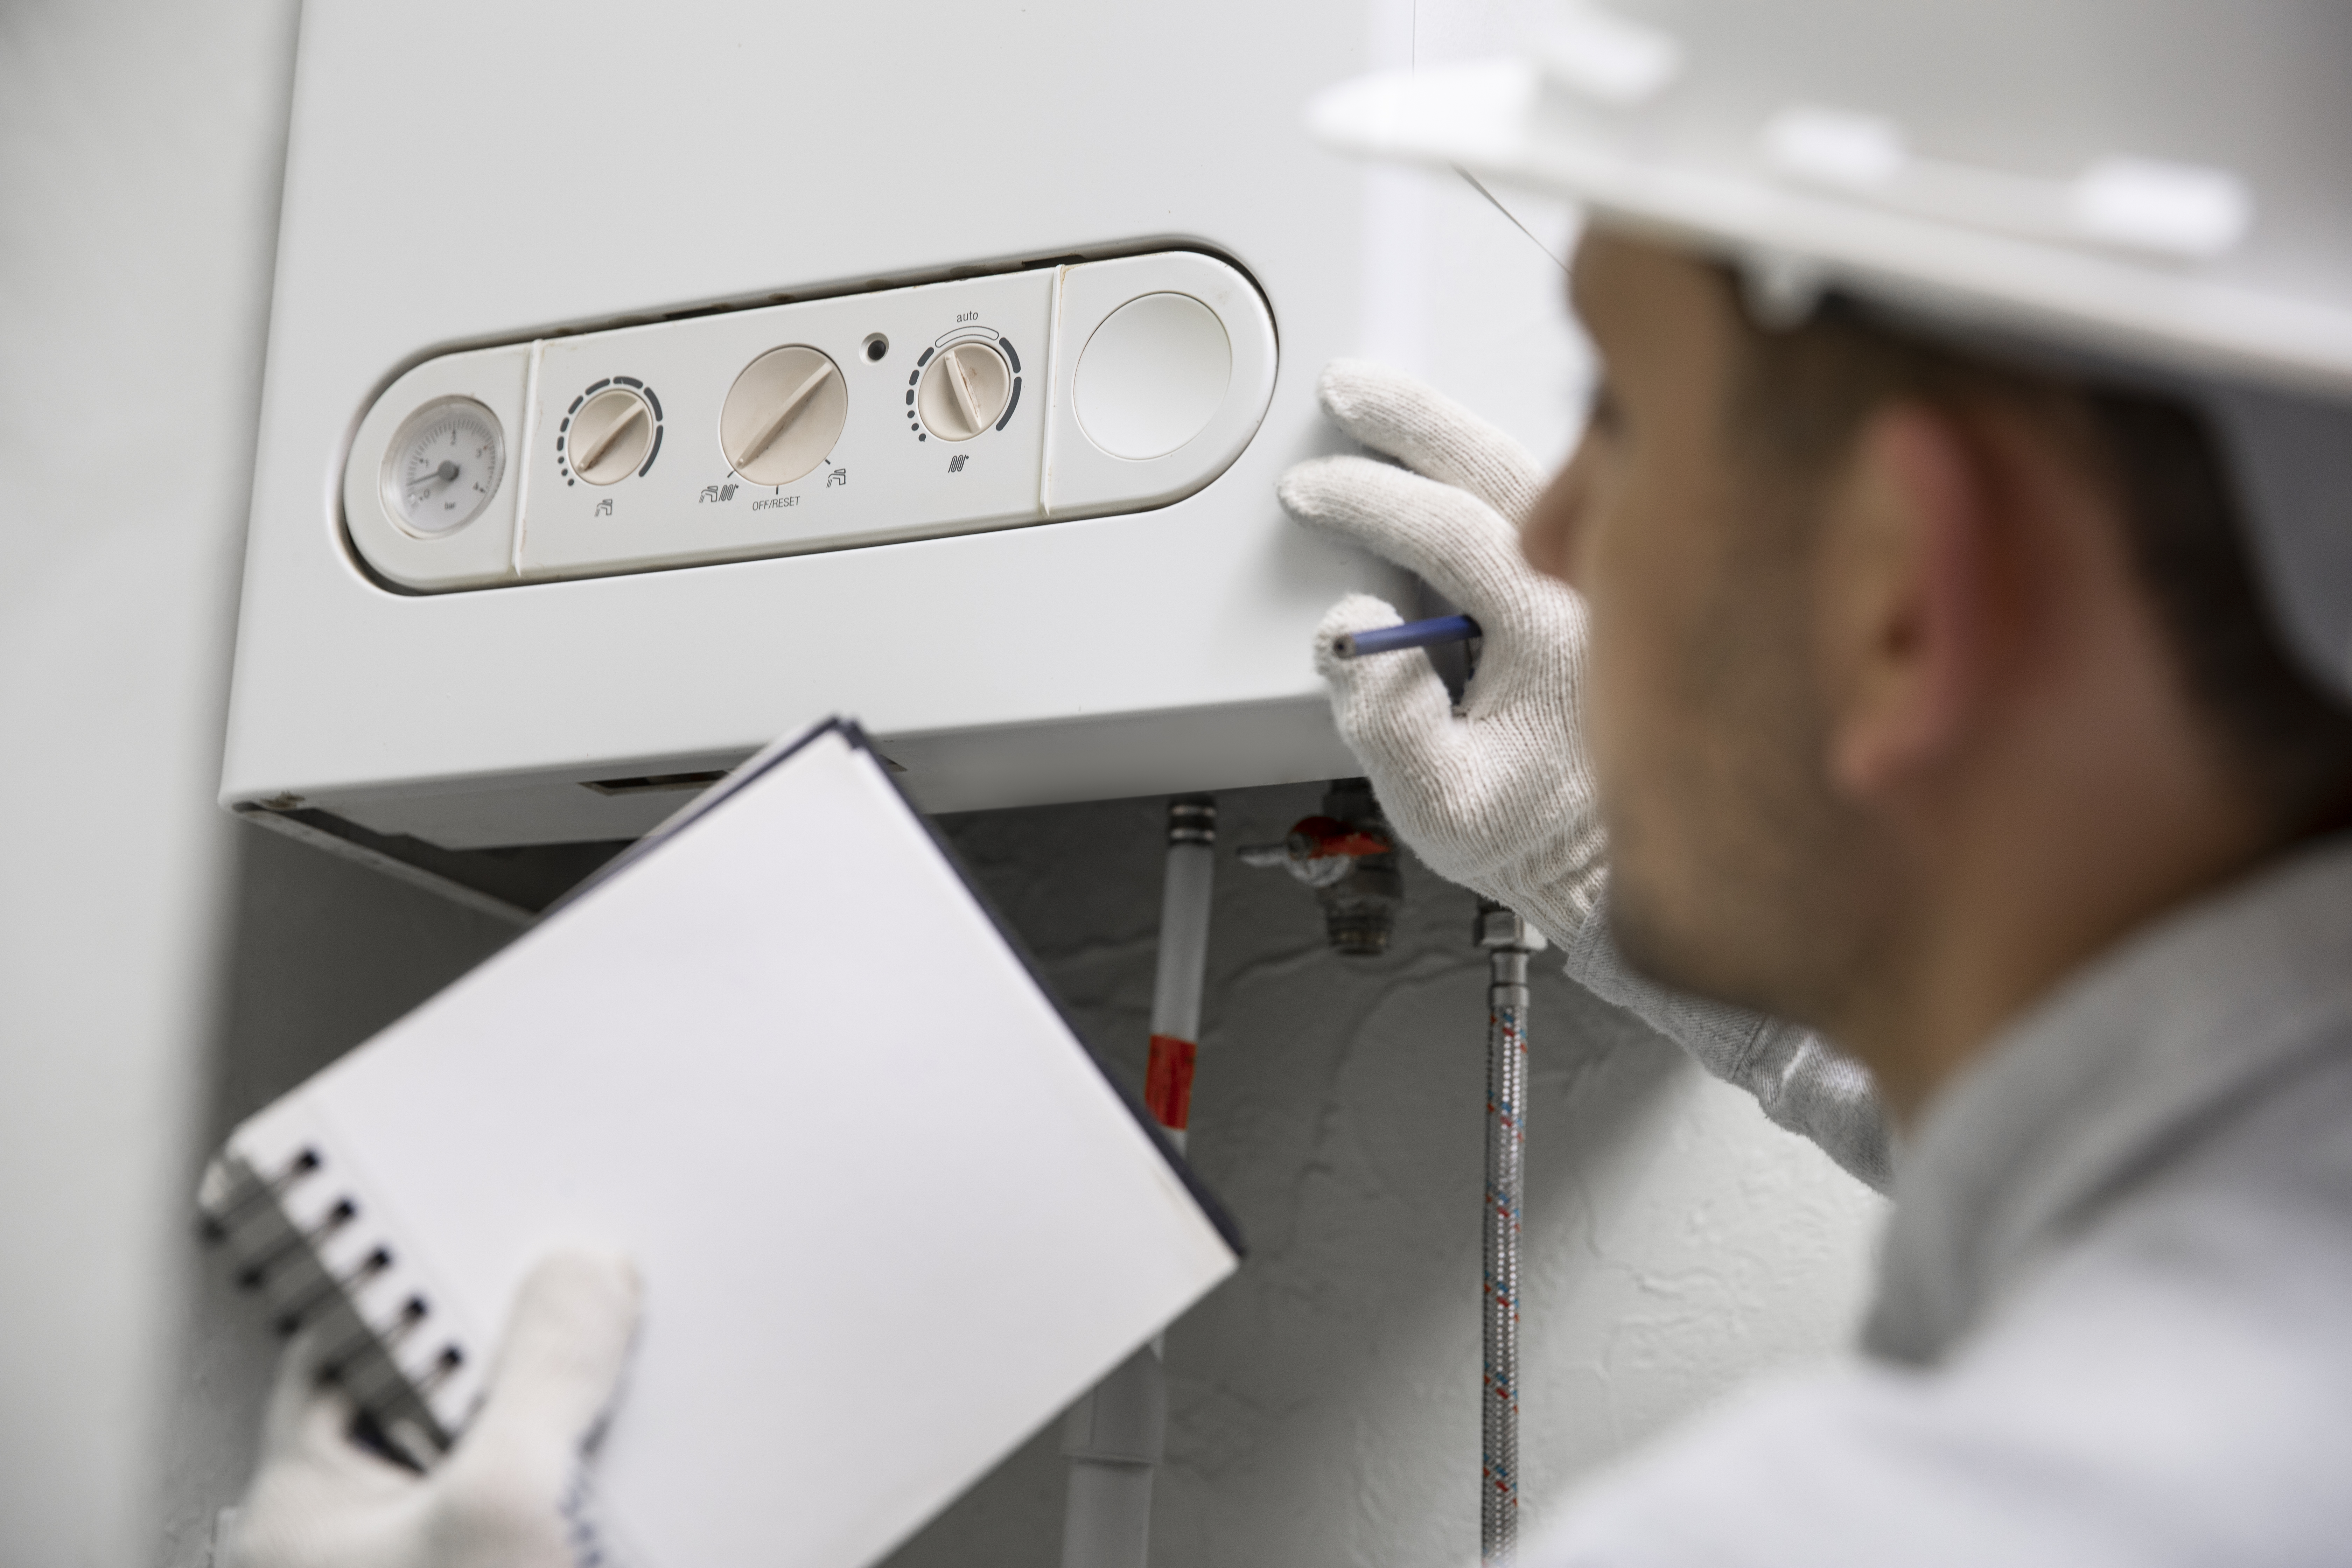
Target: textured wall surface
{"x": 1324, "y": 1403}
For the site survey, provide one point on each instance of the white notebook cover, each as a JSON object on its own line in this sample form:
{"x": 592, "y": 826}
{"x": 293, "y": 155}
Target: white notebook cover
{"x": 890, "y": 1214}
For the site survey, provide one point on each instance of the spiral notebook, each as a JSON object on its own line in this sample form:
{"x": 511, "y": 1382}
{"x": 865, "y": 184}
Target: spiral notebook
{"x": 890, "y": 1214}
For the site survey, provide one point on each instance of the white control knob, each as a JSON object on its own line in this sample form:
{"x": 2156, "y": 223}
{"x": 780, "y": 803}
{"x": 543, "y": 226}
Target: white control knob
{"x": 610, "y": 436}
{"x": 964, "y": 390}
{"x": 784, "y": 416}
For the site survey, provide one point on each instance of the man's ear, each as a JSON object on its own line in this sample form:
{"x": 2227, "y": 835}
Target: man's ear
{"x": 1905, "y": 601}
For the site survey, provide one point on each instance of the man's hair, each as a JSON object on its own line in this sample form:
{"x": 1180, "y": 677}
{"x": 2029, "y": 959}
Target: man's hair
{"x": 1801, "y": 394}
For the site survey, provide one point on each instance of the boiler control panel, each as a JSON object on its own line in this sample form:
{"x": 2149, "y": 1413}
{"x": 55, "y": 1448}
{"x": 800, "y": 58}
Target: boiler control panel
{"x": 1061, "y": 391}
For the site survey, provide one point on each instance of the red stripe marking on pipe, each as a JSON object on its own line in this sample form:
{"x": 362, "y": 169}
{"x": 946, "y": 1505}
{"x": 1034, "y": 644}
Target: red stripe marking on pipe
{"x": 1168, "y": 1082}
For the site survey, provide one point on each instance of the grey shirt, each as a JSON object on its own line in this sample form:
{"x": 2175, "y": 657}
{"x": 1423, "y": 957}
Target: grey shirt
{"x": 2114, "y": 1320}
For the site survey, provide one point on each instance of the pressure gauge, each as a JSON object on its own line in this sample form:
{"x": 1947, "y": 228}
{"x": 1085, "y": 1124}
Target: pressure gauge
{"x": 443, "y": 467}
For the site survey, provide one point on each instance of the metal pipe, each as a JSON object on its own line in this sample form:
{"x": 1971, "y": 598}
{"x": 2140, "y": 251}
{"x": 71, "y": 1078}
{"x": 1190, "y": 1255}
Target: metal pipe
{"x": 1116, "y": 1435}
{"x": 1509, "y": 941}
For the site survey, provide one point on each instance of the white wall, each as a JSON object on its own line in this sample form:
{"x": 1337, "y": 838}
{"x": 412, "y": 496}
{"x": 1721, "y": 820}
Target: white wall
{"x": 140, "y": 148}
{"x": 162, "y": 971}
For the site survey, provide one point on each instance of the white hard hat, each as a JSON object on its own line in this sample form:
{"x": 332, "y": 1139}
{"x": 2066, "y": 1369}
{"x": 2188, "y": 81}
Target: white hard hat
{"x": 2160, "y": 185}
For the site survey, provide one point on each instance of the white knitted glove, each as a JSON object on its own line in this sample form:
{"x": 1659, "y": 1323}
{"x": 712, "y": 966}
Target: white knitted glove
{"x": 511, "y": 1495}
{"x": 1497, "y": 796}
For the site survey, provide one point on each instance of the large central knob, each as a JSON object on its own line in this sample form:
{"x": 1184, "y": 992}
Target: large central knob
{"x": 963, "y": 392}
{"x": 783, "y": 414}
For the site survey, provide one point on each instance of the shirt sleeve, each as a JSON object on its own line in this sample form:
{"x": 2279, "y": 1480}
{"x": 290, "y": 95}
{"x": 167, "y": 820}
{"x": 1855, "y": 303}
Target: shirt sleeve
{"x": 1801, "y": 1081}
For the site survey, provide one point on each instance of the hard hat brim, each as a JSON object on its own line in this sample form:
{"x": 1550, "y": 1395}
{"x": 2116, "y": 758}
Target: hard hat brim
{"x": 1492, "y": 120}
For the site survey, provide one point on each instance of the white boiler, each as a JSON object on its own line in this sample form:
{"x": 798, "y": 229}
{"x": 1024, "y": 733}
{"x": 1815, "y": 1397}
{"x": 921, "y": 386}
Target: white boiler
{"x": 644, "y": 382}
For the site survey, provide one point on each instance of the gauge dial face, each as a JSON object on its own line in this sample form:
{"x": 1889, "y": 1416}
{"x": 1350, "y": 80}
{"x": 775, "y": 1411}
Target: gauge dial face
{"x": 443, "y": 467}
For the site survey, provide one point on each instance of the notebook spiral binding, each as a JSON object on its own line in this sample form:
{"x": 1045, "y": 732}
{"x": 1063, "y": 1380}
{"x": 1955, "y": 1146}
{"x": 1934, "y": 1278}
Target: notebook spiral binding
{"x": 305, "y": 1249}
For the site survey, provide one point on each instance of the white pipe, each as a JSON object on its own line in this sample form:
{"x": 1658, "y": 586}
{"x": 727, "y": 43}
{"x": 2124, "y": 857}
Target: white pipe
{"x": 1108, "y": 1522}
{"x": 1116, "y": 1433}
{"x": 1183, "y": 960}
{"x": 1184, "y": 929}
{"x": 1113, "y": 1438}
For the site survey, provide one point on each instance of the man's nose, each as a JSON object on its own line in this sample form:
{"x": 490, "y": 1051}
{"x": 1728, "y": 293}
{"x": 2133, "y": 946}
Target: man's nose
{"x": 1547, "y": 537}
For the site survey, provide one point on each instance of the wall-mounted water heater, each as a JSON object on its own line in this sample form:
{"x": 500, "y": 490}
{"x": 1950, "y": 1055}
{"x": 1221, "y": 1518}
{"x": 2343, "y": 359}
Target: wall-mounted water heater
{"x": 644, "y": 382}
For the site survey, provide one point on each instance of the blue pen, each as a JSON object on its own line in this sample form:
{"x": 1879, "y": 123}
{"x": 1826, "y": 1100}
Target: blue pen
{"x": 1412, "y": 634}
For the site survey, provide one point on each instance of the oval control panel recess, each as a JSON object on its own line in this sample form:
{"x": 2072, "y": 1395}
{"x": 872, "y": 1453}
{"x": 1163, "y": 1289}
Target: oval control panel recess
{"x": 913, "y": 413}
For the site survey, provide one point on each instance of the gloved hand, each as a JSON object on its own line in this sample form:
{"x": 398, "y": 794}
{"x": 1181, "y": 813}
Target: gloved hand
{"x": 508, "y": 1496}
{"x": 1498, "y": 796}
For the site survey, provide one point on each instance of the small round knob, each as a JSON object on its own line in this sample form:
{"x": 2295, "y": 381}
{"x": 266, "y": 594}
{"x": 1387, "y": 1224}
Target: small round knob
{"x": 782, "y": 416}
{"x": 964, "y": 390}
{"x": 609, "y": 437}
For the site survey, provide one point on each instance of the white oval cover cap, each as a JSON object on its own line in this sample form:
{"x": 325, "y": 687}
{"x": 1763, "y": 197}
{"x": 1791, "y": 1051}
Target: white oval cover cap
{"x": 1152, "y": 376}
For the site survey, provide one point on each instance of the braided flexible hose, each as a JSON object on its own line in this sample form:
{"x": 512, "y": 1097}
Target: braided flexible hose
{"x": 1507, "y": 1082}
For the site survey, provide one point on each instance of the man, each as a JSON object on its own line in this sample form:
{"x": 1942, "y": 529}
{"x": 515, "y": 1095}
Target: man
{"x": 1967, "y": 679}
{"x": 1970, "y": 681}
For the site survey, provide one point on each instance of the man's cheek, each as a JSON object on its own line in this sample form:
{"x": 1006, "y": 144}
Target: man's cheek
{"x": 1640, "y": 605}
{"x": 1613, "y": 711}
